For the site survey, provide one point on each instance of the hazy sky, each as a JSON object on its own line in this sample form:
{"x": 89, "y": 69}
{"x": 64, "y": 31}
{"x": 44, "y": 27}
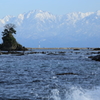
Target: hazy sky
{"x": 58, "y": 7}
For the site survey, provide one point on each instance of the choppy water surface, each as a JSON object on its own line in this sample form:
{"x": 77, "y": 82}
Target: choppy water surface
{"x": 69, "y": 76}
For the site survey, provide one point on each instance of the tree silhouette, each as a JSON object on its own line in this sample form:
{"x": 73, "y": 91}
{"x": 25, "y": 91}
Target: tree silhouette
{"x": 9, "y": 29}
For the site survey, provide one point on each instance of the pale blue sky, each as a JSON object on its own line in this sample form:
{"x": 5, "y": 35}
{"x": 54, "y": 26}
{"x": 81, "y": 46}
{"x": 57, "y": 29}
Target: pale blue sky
{"x": 58, "y": 7}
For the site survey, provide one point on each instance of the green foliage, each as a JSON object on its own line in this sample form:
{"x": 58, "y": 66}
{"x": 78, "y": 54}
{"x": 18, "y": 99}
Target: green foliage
{"x": 9, "y": 28}
{"x": 9, "y": 42}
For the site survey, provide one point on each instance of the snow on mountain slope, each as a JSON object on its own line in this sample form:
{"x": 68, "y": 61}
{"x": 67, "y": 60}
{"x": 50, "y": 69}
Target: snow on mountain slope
{"x": 47, "y": 30}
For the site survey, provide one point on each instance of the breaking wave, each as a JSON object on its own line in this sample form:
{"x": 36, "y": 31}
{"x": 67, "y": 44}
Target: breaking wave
{"x": 76, "y": 93}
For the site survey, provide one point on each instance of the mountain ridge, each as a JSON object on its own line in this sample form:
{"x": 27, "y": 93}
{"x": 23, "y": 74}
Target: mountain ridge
{"x": 41, "y": 28}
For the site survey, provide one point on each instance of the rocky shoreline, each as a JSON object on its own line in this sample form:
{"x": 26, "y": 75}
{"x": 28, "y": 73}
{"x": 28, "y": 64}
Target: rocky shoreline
{"x": 96, "y": 58}
{"x": 93, "y": 55}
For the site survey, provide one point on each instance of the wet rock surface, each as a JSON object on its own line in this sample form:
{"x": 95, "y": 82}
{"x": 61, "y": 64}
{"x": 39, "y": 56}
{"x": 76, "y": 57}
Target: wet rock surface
{"x": 96, "y": 58}
{"x": 96, "y": 49}
{"x": 10, "y": 43}
{"x": 70, "y": 73}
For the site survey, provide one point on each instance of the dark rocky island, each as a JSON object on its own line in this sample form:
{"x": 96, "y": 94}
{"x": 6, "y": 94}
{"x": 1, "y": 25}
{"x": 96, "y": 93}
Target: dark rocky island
{"x": 9, "y": 42}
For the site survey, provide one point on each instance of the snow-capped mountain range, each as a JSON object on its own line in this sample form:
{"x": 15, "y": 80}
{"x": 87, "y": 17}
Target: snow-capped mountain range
{"x": 42, "y": 29}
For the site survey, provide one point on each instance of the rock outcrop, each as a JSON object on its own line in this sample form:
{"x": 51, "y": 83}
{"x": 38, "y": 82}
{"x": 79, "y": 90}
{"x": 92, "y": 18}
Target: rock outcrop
{"x": 96, "y": 49}
{"x": 96, "y": 58}
{"x": 10, "y": 43}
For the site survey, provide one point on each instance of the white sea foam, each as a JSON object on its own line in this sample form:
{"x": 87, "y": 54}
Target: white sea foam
{"x": 78, "y": 94}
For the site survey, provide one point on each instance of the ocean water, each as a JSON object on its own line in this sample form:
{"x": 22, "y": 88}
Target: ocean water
{"x": 52, "y": 76}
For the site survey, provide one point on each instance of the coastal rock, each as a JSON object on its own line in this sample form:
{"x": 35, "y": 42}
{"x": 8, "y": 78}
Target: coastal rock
{"x": 96, "y": 58}
{"x": 70, "y": 73}
{"x": 10, "y": 43}
{"x": 96, "y": 49}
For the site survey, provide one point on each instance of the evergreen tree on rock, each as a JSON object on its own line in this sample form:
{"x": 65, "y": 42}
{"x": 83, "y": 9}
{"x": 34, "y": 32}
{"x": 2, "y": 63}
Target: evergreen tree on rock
{"x": 9, "y": 42}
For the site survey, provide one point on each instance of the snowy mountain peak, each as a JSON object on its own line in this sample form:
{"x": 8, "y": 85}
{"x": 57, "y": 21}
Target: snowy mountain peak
{"x": 32, "y": 13}
{"x": 78, "y": 15}
{"x": 6, "y": 19}
{"x": 98, "y": 12}
{"x": 73, "y": 29}
{"x": 44, "y": 15}
{"x": 21, "y": 16}
{"x": 39, "y": 14}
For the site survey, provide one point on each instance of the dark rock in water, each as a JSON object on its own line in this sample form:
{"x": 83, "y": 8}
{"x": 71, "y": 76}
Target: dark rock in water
{"x": 76, "y": 49}
{"x": 14, "y": 98}
{"x": 95, "y": 52}
{"x": 96, "y": 49}
{"x": 67, "y": 73}
{"x": 96, "y": 58}
{"x": 10, "y": 43}
{"x": 62, "y": 53}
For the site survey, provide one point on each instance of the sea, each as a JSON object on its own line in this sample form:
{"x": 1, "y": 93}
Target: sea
{"x": 50, "y": 74}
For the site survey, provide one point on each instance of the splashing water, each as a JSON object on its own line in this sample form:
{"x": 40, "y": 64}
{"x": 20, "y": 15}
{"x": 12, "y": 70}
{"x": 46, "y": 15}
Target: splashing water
{"x": 55, "y": 95}
{"x": 78, "y": 94}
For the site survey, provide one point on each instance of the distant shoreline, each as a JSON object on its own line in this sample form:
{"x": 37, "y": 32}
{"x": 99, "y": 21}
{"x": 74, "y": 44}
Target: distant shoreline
{"x": 61, "y": 48}
{"x": 31, "y": 51}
